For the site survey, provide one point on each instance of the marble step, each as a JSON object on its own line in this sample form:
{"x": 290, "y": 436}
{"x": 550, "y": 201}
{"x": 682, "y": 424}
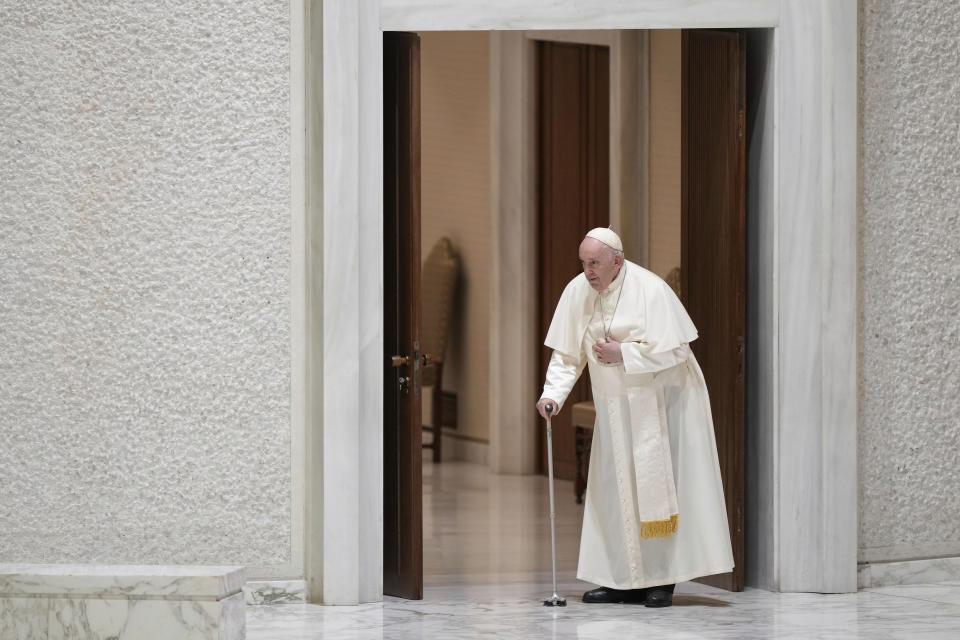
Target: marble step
{"x": 121, "y": 601}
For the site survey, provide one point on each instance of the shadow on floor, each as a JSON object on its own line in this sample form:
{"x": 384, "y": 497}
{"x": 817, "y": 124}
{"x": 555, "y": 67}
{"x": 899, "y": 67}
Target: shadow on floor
{"x": 687, "y": 600}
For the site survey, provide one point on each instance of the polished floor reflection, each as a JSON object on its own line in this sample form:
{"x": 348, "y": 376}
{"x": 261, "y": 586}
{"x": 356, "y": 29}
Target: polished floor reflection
{"x": 487, "y": 569}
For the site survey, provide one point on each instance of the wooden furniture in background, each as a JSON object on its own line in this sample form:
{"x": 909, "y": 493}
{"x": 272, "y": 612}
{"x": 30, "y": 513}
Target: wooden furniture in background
{"x": 583, "y": 415}
{"x": 441, "y": 272}
{"x": 674, "y": 280}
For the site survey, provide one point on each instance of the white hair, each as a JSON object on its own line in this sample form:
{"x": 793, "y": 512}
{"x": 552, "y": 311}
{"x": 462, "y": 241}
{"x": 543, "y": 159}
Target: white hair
{"x": 613, "y": 251}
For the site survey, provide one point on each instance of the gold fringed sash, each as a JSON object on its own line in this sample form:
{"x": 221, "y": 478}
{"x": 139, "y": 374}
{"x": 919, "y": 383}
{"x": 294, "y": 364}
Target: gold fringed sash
{"x": 657, "y": 506}
{"x": 659, "y": 528}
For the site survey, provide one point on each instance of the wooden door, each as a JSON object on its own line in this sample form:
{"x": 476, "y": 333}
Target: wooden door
{"x": 402, "y": 485}
{"x": 573, "y": 109}
{"x": 713, "y": 249}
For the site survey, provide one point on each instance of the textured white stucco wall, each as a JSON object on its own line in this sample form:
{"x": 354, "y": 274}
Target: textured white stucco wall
{"x": 909, "y": 425}
{"x": 145, "y": 282}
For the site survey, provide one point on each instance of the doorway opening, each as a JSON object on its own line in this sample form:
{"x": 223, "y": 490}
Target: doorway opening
{"x": 458, "y": 155}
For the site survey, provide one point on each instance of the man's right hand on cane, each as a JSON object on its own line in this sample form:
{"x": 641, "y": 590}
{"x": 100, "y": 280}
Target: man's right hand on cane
{"x": 542, "y": 408}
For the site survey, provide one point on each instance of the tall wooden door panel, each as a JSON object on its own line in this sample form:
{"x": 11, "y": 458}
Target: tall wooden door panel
{"x": 402, "y": 485}
{"x": 713, "y": 249}
{"x": 573, "y": 106}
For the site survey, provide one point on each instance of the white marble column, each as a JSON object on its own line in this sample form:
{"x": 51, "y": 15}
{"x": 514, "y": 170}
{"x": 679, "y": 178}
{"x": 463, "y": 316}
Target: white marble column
{"x": 816, "y": 296}
{"x": 344, "y": 303}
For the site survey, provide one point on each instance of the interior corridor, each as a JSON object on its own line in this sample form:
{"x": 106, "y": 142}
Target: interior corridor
{"x": 487, "y": 570}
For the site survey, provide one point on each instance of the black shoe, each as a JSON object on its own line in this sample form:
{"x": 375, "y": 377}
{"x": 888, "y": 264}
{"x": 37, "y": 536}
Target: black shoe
{"x": 615, "y": 596}
{"x": 661, "y": 596}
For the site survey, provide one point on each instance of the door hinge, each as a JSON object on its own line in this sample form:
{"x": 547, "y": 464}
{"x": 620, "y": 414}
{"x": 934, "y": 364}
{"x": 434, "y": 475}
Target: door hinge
{"x": 741, "y": 124}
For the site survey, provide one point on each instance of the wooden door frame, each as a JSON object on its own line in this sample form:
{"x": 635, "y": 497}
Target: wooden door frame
{"x": 730, "y": 435}
{"x": 403, "y": 418}
{"x": 802, "y": 203}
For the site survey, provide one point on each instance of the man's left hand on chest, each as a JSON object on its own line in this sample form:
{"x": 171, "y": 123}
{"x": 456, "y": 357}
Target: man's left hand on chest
{"x": 607, "y": 351}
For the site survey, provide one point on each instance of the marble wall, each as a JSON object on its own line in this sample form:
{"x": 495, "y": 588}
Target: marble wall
{"x": 909, "y": 280}
{"x": 145, "y": 374}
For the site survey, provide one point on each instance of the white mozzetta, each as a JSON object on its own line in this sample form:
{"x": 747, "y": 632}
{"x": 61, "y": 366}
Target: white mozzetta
{"x": 426, "y": 15}
{"x": 121, "y": 602}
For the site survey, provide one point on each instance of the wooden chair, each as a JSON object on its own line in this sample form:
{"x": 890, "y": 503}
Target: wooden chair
{"x": 673, "y": 279}
{"x": 440, "y": 275}
{"x": 583, "y": 415}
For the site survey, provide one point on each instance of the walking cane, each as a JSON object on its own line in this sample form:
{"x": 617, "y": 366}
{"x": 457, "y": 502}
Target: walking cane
{"x": 555, "y": 600}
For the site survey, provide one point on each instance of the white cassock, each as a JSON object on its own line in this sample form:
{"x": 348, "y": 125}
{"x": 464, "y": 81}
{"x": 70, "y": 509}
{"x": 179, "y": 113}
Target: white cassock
{"x": 654, "y": 511}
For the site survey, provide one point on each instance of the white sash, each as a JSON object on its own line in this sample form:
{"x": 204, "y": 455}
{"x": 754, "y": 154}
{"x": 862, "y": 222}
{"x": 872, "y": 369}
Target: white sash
{"x": 653, "y": 466}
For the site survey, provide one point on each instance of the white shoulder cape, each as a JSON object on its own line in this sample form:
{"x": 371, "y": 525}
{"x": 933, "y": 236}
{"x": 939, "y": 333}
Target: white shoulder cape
{"x": 656, "y": 314}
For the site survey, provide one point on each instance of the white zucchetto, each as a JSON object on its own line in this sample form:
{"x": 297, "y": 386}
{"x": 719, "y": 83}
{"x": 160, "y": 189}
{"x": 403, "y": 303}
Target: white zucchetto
{"x": 607, "y": 237}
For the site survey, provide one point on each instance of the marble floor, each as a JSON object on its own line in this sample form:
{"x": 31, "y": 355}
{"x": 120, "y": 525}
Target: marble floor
{"x": 487, "y": 570}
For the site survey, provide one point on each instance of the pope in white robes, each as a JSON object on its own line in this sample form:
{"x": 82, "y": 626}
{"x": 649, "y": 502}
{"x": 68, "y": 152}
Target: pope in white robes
{"x": 654, "y": 512}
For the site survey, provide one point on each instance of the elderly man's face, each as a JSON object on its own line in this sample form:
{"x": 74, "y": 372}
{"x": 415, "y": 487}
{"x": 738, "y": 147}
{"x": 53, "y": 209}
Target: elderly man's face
{"x": 600, "y": 263}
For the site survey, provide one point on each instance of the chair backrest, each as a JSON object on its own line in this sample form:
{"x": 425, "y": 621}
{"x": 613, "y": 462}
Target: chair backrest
{"x": 673, "y": 279}
{"x": 440, "y": 274}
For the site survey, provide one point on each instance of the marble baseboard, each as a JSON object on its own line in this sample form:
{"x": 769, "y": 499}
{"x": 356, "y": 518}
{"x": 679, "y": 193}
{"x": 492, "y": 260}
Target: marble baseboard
{"x": 884, "y": 574}
{"x": 257, "y": 592}
{"x": 121, "y": 602}
{"x": 116, "y": 619}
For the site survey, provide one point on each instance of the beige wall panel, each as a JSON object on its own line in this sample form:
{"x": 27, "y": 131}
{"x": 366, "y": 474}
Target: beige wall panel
{"x": 665, "y": 83}
{"x": 455, "y": 94}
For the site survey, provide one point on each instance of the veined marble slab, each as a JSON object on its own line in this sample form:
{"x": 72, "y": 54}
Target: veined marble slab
{"x": 275, "y": 592}
{"x": 426, "y": 15}
{"x": 121, "y": 602}
{"x": 884, "y": 574}
{"x": 120, "y": 581}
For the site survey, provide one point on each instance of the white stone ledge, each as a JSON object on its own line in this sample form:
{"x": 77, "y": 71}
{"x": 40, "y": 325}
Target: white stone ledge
{"x": 886, "y": 574}
{"x": 121, "y": 602}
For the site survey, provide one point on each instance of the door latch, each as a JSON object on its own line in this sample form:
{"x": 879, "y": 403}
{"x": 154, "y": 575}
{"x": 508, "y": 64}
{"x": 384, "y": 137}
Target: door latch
{"x": 416, "y": 368}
